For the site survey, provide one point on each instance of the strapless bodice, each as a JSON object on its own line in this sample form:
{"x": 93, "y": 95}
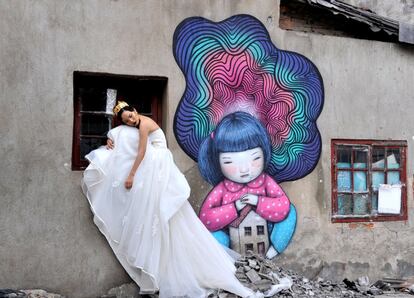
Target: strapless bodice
{"x": 157, "y": 138}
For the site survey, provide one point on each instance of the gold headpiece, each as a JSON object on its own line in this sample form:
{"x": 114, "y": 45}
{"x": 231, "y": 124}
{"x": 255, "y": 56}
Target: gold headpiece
{"x": 120, "y": 106}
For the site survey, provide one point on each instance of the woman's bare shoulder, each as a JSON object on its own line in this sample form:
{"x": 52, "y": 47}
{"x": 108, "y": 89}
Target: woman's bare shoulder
{"x": 148, "y": 124}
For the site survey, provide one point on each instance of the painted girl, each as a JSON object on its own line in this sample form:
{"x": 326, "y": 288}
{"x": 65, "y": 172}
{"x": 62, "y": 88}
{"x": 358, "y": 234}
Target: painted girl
{"x": 234, "y": 159}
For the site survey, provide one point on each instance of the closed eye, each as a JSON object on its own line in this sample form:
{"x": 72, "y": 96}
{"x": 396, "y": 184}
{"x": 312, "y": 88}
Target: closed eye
{"x": 227, "y": 162}
{"x": 257, "y": 158}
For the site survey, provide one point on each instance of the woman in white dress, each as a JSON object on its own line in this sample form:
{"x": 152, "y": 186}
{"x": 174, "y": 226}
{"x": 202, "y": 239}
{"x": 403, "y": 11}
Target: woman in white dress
{"x": 139, "y": 200}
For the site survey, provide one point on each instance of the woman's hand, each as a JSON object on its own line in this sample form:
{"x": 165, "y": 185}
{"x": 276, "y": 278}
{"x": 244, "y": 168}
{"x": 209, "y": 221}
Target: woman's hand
{"x": 250, "y": 199}
{"x": 129, "y": 181}
{"x": 109, "y": 144}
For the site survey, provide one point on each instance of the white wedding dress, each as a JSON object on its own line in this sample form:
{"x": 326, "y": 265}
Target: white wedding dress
{"x": 152, "y": 228}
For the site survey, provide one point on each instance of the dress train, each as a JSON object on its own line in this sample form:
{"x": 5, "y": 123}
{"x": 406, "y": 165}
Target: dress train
{"x": 152, "y": 228}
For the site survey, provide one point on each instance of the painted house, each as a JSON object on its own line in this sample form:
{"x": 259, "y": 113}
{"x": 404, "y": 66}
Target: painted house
{"x": 251, "y": 234}
{"x": 59, "y": 61}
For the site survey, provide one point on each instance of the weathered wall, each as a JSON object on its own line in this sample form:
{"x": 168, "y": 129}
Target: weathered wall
{"x": 48, "y": 239}
{"x": 368, "y": 95}
{"x": 399, "y": 10}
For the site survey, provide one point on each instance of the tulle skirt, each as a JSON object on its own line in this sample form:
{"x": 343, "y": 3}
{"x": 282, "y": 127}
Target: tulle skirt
{"x": 152, "y": 229}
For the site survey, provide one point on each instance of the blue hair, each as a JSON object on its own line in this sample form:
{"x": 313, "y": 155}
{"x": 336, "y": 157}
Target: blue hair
{"x": 236, "y": 132}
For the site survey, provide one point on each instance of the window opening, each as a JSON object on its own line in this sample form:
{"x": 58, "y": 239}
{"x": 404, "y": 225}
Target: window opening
{"x": 95, "y": 95}
{"x": 249, "y": 246}
{"x": 247, "y": 231}
{"x": 364, "y": 174}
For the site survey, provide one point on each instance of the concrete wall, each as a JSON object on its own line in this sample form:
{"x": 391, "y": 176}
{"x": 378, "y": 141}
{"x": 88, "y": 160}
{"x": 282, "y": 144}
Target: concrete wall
{"x": 368, "y": 95}
{"x": 48, "y": 239}
{"x": 398, "y": 10}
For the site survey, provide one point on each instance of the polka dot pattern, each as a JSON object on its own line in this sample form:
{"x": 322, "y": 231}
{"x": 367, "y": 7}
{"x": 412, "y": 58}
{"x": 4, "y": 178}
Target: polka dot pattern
{"x": 219, "y": 210}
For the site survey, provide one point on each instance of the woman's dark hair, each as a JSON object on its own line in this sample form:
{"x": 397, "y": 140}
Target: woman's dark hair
{"x": 119, "y": 114}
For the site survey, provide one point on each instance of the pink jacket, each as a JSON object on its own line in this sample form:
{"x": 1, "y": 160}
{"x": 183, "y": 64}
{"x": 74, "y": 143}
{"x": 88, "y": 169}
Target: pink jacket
{"x": 219, "y": 209}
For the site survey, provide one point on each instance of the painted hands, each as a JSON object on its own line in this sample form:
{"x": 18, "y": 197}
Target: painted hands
{"x": 240, "y": 204}
{"x": 250, "y": 199}
{"x": 109, "y": 144}
{"x": 246, "y": 199}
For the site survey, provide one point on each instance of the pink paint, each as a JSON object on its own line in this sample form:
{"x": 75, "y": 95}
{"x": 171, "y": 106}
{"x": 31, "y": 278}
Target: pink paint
{"x": 240, "y": 84}
{"x": 270, "y": 206}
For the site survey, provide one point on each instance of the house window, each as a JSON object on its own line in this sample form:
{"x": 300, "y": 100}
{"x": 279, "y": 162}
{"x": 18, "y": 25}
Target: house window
{"x": 247, "y": 231}
{"x": 260, "y": 230}
{"x": 368, "y": 180}
{"x": 248, "y": 246}
{"x": 94, "y": 97}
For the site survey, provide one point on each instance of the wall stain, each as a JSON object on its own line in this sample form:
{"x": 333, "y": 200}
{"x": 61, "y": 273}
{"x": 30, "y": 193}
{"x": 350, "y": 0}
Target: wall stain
{"x": 355, "y": 225}
{"x": 405, "y": 269}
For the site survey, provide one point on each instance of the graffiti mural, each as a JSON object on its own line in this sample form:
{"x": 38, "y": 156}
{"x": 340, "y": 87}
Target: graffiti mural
{"x": 248, "y": 117}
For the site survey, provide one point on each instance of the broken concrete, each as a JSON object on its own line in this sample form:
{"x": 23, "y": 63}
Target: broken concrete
{"x": 35, "y": 293}
{"x": 263, "y": 275}
{"x": 130, "y": 290}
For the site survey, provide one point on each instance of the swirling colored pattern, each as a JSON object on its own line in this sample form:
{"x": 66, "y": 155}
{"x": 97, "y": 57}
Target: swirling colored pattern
{"x": 233, "y": 66}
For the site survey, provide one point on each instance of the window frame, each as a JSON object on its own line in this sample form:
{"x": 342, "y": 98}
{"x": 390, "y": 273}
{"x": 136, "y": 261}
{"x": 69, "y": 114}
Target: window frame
{"x": 260, "y": 230}
{"x": 388, "y": 144}
{"x": 248, "y": 231}
{"x": 110, "y": 81}
{"x": 261, "y": 248}
{"x": 249, "y": 246}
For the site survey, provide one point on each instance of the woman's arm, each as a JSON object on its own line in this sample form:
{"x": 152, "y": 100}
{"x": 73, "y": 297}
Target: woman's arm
{"x": 142, "y": 147}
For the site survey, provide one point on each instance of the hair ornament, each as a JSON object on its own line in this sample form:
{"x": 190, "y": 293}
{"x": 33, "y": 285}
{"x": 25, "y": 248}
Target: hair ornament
{"x": 120, "y": 106}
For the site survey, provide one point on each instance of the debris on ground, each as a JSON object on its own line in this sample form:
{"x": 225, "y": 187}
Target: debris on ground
{"x": 130, "y": 290}
{"x": 36, "y": 293}
{"x": 396, "y": 285}
{"x": 262, "y": 275}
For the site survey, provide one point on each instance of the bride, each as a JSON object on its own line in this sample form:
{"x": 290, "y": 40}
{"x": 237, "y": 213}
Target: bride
{"x": 139, "y": 200}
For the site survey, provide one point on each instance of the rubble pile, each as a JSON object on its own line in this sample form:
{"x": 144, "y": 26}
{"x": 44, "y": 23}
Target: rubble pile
{"x": 263, "y": 275}
{"x": 36, "y": 293}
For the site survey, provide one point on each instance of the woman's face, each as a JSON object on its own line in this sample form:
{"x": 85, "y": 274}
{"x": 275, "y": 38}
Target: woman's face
{"x": 130, "y": 118}
{"x": 242, "y": 167}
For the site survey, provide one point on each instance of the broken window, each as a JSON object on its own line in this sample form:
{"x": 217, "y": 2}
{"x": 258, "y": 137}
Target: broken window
{"x": 368, "y": 180}
{"x": 95, "y": 95}
{"x": 247, "y": 231}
